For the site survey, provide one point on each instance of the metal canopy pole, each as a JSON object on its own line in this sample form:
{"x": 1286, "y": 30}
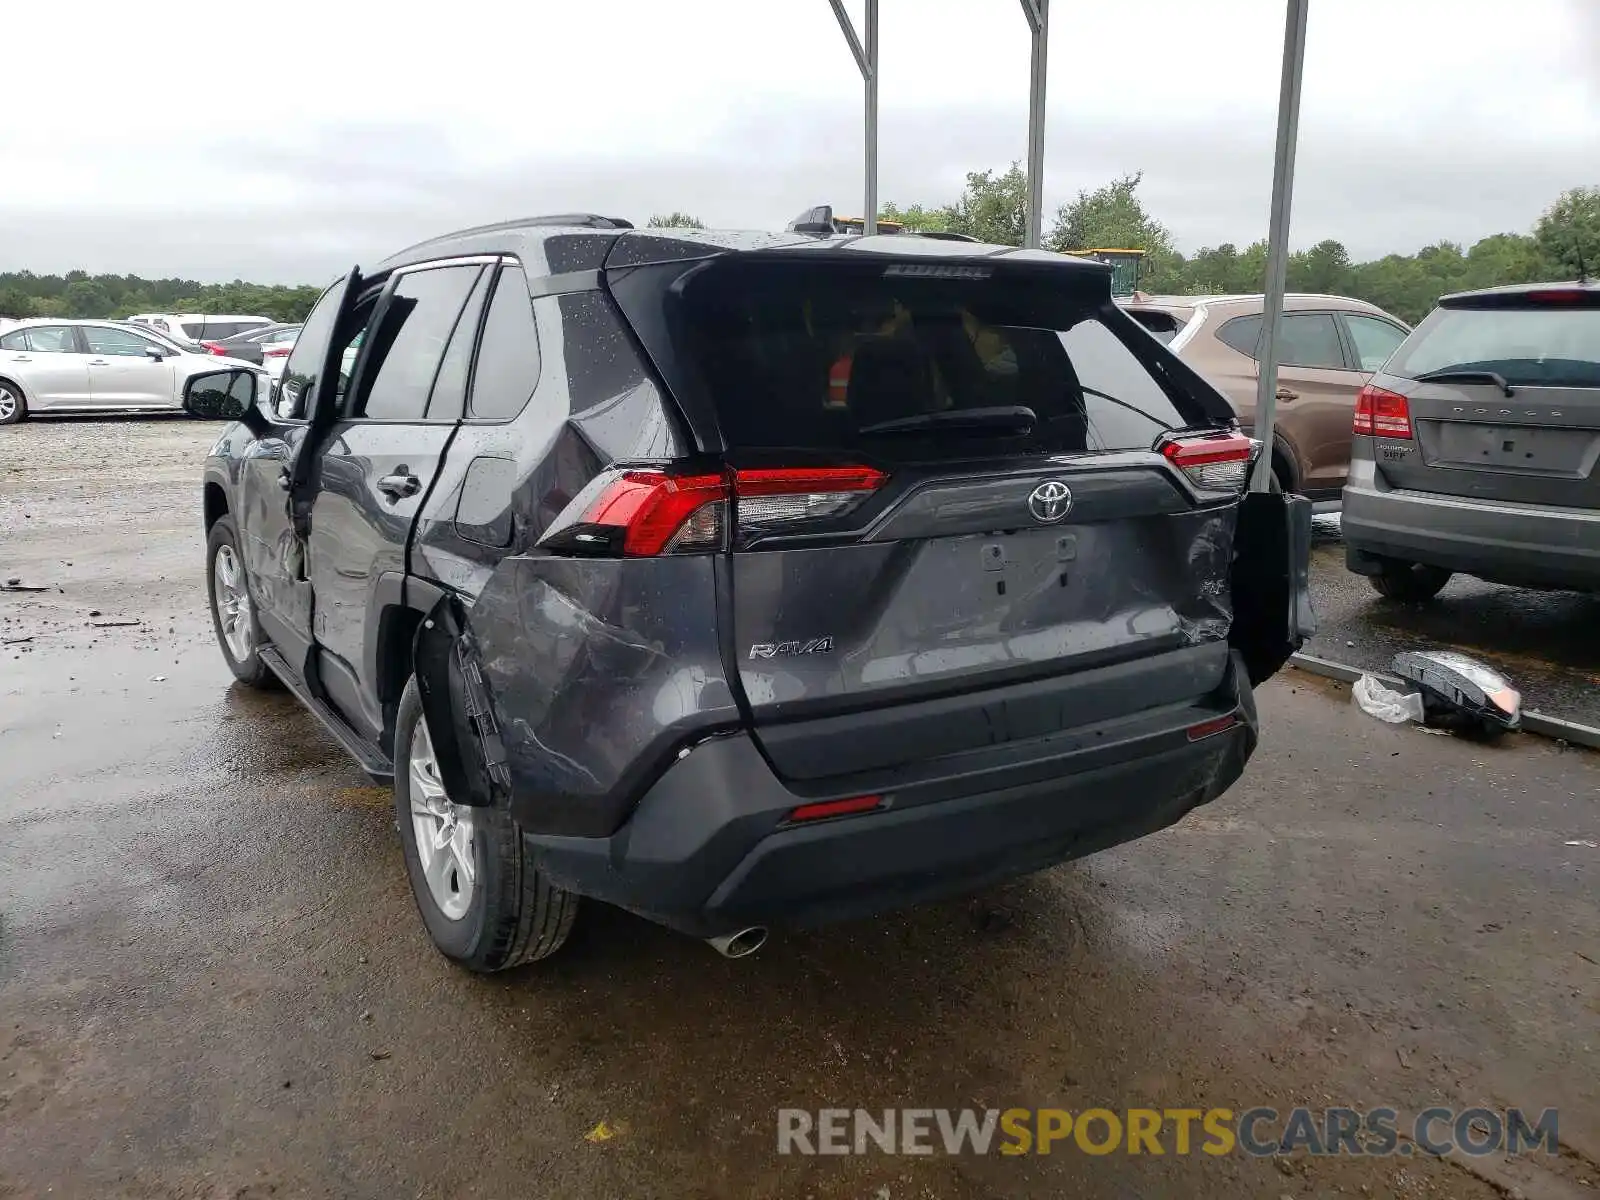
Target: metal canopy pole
{"x": 867, "y": 61}
{"x": 1294, "y": 57}
{"x": 1038, "y": 14}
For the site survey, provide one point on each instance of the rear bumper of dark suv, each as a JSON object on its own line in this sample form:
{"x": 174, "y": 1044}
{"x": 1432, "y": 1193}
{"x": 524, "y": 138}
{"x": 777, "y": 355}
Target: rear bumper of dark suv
{"x": 711, "y": 848}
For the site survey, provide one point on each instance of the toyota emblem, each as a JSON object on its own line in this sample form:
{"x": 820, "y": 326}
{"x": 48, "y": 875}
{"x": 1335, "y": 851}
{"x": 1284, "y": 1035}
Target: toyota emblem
{"x": 1050, "y": 502}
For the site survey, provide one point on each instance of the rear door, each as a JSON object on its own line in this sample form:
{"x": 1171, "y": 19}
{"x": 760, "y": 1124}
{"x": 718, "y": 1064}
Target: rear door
{"x": 948, "y": 479}
{"x": 377, "y": 464}
{"x": 1464, "y": 435}
{"x": 47, "y": 361}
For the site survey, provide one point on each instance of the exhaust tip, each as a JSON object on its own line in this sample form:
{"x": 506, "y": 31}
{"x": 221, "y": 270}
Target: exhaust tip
{"x": 741, "y": 944}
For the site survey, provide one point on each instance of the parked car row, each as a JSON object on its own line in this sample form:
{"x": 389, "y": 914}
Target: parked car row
{"x": 201, "y": 327}
{"x": 49, "y": 365}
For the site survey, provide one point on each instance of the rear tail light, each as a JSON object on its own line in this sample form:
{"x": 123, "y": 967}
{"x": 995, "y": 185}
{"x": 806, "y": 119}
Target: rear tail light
{"x": 641, "y": 513}
{"x": 277, "y": 352}
{"x": 215, "y": 348}
{"x": 1382, "y": 413}
{"x": 1214, "y": 463}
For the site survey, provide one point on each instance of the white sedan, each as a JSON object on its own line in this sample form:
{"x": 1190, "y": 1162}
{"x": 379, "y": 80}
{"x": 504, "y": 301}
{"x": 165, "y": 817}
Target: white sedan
{"x": 49, "y": 365}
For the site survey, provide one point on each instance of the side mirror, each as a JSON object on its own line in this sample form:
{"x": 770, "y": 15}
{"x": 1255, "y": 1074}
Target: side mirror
{"x": 229, "y": 395}
{"x": 154, "y": 352}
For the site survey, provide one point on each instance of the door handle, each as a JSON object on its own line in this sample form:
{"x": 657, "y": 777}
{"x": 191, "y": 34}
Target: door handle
{"x": 1284, "y": 393}
{"x": 399, "y": 485}
{"x": 21, "y": 358}
{"x": 98, "y": 362}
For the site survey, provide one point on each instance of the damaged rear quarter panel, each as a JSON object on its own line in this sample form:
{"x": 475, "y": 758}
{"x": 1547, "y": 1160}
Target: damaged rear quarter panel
{"x": 597, "y": 672}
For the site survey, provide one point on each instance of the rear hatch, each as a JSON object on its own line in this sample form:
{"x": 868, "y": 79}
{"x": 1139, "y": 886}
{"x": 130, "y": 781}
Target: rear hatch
{"x": 1495, "y": 396}
{"x": 946, "y": 476}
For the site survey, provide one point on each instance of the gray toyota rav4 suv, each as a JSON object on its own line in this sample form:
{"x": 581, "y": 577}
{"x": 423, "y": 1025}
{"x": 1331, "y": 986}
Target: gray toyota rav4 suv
{"x": 1477, "y": 447}
{"x": 745, "y": 580}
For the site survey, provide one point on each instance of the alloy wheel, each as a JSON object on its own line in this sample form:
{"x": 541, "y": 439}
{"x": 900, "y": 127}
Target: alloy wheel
{"x": 445, "y": 831}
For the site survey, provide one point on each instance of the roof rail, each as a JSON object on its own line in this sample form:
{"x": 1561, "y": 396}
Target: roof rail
{"x": 942, "y": 235}
{"x": 588, "y": 220}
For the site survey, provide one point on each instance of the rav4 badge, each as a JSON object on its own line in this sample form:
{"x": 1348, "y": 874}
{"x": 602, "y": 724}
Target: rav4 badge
{"x": 821, "y": 645}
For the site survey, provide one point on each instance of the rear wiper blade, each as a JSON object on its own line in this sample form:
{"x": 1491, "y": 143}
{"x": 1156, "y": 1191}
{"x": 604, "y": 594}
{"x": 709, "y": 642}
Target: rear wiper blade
{"x": 1016, "y": 419}
{"x": 1120, "y": 403}
{"x": 1450, "y": 375}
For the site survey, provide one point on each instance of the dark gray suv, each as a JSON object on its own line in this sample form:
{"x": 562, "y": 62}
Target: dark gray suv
{"x": 1477, "y": 446}
{"x": 745, "y": 580}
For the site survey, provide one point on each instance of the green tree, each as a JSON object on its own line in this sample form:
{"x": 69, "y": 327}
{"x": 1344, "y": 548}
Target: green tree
{"x": 1112, "y": 217}
{"x": 674, "y": 220}
{"x": 992, "y": 208}
{"x": 918, "y": 219}
{"x": 84, "y": 297}
{"x": 1325, "y": 269}
{"x": 1569, "y": 232}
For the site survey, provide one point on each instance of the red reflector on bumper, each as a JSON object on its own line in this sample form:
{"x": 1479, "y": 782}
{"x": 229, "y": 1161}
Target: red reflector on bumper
{"x": 835, "y": 808}
{"x": 1206, "y": 728}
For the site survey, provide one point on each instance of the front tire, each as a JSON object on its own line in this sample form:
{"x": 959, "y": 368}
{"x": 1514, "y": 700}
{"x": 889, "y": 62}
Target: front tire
{"x": 13, "y": 404}
{"x": 1409, "y": 583}
{"x": 484, "y": 902}
{"x": 233, "y": 612}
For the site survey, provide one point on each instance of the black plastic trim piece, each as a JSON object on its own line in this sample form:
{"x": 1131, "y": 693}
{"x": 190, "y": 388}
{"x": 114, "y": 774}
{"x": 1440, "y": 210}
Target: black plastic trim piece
{"x": 368, "y": 755}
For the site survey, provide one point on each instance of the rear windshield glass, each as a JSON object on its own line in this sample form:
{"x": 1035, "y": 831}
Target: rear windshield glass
{"x": 1546, "y": 346}
{"x": 1163, "y": 326}
{"x": 811, "y": 357}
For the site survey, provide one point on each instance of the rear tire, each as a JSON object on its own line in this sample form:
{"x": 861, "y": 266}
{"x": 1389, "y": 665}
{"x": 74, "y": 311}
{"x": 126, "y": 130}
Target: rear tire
{"x": 13, "y": 405}
{"x": 484, "y": 902}
{"x": 1409, "y": 583}
{"x": 233, "y": 615}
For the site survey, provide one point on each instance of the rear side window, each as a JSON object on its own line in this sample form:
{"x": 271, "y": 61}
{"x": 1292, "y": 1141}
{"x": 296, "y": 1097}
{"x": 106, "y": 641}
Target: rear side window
{"x": 828, "y": 358}
{"x": 42, "y": 339}
{"x": 1537, "y": 346}
{"x": 409, "y": 342}
{"x": 1304, "y": 339}
{"x": 507, "y": 369}
{"x": 1375, "y": 340}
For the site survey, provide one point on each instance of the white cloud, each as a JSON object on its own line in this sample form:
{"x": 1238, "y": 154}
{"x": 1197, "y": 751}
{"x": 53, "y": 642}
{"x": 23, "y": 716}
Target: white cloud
{"x": 332, "y": 132}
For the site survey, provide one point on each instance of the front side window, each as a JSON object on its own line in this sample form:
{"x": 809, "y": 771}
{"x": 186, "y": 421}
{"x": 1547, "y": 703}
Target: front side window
{"x": 297, "y": 388}
{"x": 409, "y": 342}
{"x": 123, "y": 343}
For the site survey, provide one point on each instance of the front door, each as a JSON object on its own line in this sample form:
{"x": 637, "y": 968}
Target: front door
{"x": 377, "y": 464}
{"x": 128, "y": 370}
{"x": 46, "y": 361}
{"x": 274, "y": 554}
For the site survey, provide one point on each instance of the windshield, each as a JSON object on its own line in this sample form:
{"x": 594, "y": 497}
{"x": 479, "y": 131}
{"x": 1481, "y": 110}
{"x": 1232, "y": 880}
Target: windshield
{"x": 823, "y": 358}
{"x": 1544, "y": 346}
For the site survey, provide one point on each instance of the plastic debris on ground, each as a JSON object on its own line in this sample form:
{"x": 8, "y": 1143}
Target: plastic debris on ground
{"x": 1378, "y": 699}
{"x": 1461, "y": 693}
{"x": 1443, "y": 692}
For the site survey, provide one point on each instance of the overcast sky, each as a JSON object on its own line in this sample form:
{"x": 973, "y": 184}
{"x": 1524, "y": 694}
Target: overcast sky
{"x": 283, "y": 144}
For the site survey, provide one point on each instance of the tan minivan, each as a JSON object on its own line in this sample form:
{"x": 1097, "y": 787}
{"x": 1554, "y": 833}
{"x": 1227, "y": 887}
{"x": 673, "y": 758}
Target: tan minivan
{"x": 1328, "y": 347}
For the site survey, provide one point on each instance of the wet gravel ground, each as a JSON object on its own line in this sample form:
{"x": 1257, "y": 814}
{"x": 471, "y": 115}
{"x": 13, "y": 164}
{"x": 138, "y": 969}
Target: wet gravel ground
{"x": 213, "y": 982}
{"x": 1548, "y": 643}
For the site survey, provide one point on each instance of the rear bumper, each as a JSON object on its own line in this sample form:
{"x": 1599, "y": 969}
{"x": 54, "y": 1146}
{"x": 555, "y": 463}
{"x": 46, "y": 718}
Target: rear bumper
{"x": 1509, "y": 543}
{"x": 708, "y": 849}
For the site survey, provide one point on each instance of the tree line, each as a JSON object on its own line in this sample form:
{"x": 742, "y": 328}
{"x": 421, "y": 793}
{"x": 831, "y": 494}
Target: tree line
{"x": 1563, "y": 244}
{"x": 79, "y": 294}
